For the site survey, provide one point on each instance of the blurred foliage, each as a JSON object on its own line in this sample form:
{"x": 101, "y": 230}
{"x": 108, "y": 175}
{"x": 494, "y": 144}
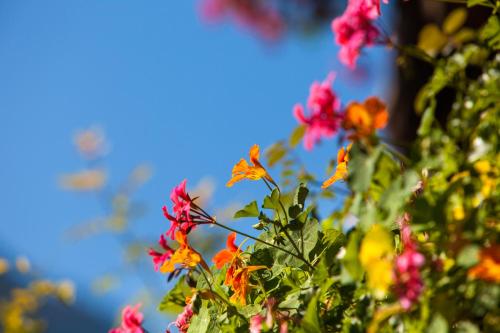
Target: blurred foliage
{"x": 415, "y": 246}
{"x": 19, "y": 309}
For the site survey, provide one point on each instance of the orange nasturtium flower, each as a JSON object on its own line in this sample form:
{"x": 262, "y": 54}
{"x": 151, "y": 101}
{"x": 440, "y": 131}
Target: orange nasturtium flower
{"x": 185, "y": 256}
{"x": 238, "y": 273}
{"x": 243, "y": 170}
{"x": 227, "y": 255}
{"x": 341, "y": 169}
{"x": 365, "y": 118}
{"x": 488, "y": 268}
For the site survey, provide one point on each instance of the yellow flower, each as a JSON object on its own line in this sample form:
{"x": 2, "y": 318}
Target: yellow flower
{"x": 4, "y": 266}
{"x": 87, "y": 180}
{"x": 23, "y": 265}
{"x": 375, "y": 255}
{"x": 255, "y": 171}
{"x": 341, "y": 170}
{"x": 185, "y": 256}
{"x": 488, "y": 175}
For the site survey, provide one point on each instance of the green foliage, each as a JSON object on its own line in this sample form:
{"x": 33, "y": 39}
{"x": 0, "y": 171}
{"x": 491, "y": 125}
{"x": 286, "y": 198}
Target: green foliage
{"x": 438, "y": 198}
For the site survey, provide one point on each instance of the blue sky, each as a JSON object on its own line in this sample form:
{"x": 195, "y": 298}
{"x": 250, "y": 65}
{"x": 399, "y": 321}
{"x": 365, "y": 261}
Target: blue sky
{"x": 186, "y": 97}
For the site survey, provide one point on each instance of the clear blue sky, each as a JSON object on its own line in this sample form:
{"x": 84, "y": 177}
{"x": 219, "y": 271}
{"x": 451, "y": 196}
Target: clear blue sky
{"x": 188, "y": 98}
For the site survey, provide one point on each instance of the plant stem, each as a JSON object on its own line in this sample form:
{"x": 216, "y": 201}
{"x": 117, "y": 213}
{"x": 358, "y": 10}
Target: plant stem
{"x": 464, "y": 2}
{"x": 264, "y": 242}
{"x": 399, "y": 155}
{"x": 286, "y": 219}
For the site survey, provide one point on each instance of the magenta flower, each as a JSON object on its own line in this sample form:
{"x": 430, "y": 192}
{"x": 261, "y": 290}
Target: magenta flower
{"x": 324, "y": 119}
{"x": 181, "y": 218}
{"x": 258, "y": 16}
{"x": 160, "y": 257}
{"x": 409, "y": 284}
{"x": 131, "y": 321}
{"x": 256, "y": 323}
{"x": 355, "y": 30}
{"x": 183, "y": 319}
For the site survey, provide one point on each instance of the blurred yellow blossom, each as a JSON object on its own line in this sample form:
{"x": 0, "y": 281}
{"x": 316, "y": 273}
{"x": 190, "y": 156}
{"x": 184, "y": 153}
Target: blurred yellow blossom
{"x": 66, "y": 291}
{"x": 91, "y": 143}
{"x": 375, "y": 255}
{"x": 4, "y": 266}
{"x": 86, "y": 180}
{"x": 23, "y": 265}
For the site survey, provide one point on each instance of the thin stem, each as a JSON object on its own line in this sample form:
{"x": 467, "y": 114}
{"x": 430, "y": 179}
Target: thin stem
{"x": 284, "y": 229}
{"x": 415, "y": 53}
{"x": 286, "y": 218}
{"x": 399, "y": 155}
{"x": 464, "y": 2}
{"x": 264, "y": 242}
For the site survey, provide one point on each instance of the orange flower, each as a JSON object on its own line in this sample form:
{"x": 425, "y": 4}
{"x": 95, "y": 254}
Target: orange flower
{"x": 488, "y": 268}
{"x": 341, "y": 170}
{"x": 237, "y": 274}
{"x": 365, "y": 118}
{"x": 228, "y": 254}
{"x": 185, "y": 256}
{"x": 243, "y": 170}
{"x": 240, "y": 284}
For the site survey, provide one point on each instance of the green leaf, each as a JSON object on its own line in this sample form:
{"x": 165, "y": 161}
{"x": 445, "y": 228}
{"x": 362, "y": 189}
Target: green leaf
{"x": 332, "y": 241}
{"x": 431, "y": 39}
{"x": 468, "y": 256}
{"x": 262, "y": 257}
{"x": 300, "y": 195}
{"x": 272, "y": 201}
{"x": 250, "y": 310}
{"x": 464, "y": 35}
{"x": 250, "y": 210}
{"x": 351, "y": 261}
{"x": 361, "y": 168}
{"x": 426, "y": 122}
{"x": 472, "y": 3}
{"x": 174, "y": 301}
{"x": 310, "y": 323}
{"x": 438, "y": 324}
{"x": 466, "y": 327}
{"x": 200, "y": 322}
{"x": 455, "y": 20}
{"x": 275, "y": 153}
{"x": 490, "y": 33}
{"x": 297, "y": 135}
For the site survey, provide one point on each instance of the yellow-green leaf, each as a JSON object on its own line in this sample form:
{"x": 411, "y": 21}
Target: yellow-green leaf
{"x": 297, "y": 135}
{"x": 431, "y": 39}
{"x": 455, "y": 20}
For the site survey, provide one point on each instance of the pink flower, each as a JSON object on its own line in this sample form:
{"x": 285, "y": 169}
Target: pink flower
{"x": 255, "y": 15}
{"x": 131, "y": 321}
{"x": 183, "y": 319}
{"x": 409, "y": 284}
{"x": 256, "y": 323}
{"x": 182, "y": 219}
{"x": 324, "y": 119}
{"x": 158, "y": 257}
{"x": 355, "y": 30}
